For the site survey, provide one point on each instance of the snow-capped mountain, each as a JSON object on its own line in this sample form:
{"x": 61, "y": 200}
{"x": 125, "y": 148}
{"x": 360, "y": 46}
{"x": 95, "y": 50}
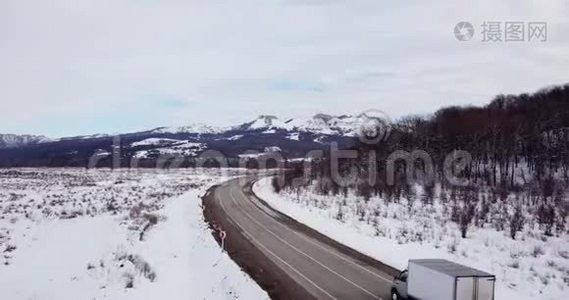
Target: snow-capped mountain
{"x": 84, "y": 137}
{"x": 344, "y": 125}
{"x": 262, "y": 122}
{"x": 293, "y": 137}
{"x": 14, "y": 140}
{"x": 328, "y": 124}
{"x": 198, "y": 128}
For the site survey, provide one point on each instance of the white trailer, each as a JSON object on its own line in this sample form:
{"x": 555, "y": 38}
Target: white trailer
{"x": 439, "y": 279}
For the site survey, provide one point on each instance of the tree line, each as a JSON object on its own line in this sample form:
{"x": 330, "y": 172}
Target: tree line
{"x": 518, "y": 171}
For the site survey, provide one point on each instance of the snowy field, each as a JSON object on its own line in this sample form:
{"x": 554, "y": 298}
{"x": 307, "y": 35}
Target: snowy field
{"x": 79, "y": 234}
{"x": 533, "y": 266}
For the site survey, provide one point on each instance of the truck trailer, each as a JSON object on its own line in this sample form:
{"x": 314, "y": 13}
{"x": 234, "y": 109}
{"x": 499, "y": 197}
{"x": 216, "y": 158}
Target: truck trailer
{"x": 439, "y": 279}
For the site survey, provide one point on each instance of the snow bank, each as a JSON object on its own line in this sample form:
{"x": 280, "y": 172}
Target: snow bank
{"x": 188, "y": 261}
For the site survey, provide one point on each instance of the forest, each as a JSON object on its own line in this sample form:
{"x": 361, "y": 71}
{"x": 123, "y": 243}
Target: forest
{"x": 516, "y": 169}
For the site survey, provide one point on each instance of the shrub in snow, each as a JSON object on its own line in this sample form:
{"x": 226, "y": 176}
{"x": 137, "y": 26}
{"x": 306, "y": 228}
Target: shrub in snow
{"x": 452, "y": 247}
{"x": 546, "y": 218}
{"x": 563, "y": 253}
{"x": 129, "y": 280}
{"x": 515, "y": 264}
{"x": 516, "y": 222}
{"x": 537, "y": 251}
{"x": 340, "y": 213}
{"x": 9, "y": 248}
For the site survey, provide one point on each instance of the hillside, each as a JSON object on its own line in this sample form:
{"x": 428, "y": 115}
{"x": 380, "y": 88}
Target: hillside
{"x": 293, "y": 138}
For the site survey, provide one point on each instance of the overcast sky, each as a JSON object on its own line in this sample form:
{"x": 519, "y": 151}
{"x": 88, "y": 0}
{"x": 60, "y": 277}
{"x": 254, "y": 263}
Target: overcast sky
{"x": 106, "y": 66}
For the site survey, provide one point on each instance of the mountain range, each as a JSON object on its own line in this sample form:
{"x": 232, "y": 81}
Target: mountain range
{"x": 292, "y": 138}
{"x": 13, "y": 140}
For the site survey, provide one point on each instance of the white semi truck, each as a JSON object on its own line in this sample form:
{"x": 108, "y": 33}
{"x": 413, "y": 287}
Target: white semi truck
{"x": 439, "y": 279}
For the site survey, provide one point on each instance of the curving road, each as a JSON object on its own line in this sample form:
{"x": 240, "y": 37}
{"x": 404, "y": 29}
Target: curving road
{"x": 287, "y": 258}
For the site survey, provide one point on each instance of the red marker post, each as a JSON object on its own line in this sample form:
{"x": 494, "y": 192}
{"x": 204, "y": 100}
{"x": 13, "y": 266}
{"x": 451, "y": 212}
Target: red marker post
{"x": 222, "y": 236}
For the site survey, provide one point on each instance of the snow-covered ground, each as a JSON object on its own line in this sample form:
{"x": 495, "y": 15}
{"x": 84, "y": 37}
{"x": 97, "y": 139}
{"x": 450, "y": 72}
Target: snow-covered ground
{"x": 156, "y": 142}
{"x": 531, "y": 267}
{"x": 168, "y": 147}
{"x": 129, "y": 234}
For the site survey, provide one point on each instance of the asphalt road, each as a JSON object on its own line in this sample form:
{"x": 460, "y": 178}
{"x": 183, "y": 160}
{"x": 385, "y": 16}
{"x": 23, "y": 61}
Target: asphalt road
{"x": 322, "y": 268}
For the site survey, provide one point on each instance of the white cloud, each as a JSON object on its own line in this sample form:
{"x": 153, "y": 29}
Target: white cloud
{"x": 78, "y": 67}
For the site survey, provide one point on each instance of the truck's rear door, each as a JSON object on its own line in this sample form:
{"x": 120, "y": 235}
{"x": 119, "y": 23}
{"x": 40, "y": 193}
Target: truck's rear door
{"x": 465, "y": 288}
{"x": 475, "y": 288}
{"x": 485, "y": 288}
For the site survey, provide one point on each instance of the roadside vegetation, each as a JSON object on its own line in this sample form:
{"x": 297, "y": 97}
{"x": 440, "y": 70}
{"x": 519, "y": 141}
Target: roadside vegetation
{"x": 507, "y": 214}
